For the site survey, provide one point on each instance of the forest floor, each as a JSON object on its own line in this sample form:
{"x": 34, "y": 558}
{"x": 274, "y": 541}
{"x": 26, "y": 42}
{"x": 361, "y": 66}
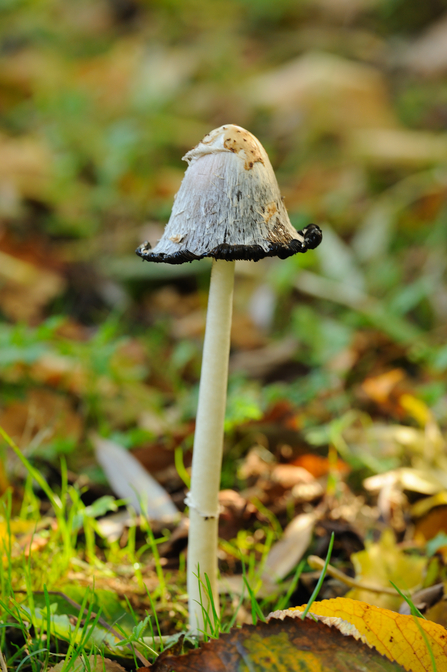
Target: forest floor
{"x": 337, "y": 402}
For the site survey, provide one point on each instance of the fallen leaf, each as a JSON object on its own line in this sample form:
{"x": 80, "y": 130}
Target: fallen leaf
{"x": 25, "y": 70}
{"x": 288, "y": 475}
{"x": 236, "y": 513}
{"x": 340, "y": 10}
{"x": 394, "y": 635}
{"x": 288, "y": 551}
{"x": 433, "y": 523}
{"x": 438, "y": 613}
{"x": 25, "y": 165}
{"x": 330, "y": 92}
{"x": 396, "y": 440}
{"x": 427, "y": 55}
{"x": 43, "y": 415}
{"x": 92, "y": 663}
{"x": 131, "y": 70}
{"x": 132, "y": 482}
{"x": 425, "y": 481}
{"x": 398, "y": 148}
{"x": 60, "y": 371}
{"x": 338, "y": 261}
{"x": 245, "y": 335}
{"x": 113, "y": 525}
{"x": 21, "y": 537}
{"x": 381, "y": 563}
{"x": 425, "y": 505}
{"x": 416, "y": 409}
{"x": 424, "y": 599}
{"x": 27, "y": 288}
{"x": 257, "y": 462}
{"x": 379, "y": 388}
{"x": 262, "y": 361}
{"x": 290, "y": 644}
{"x": 320, "y": 466}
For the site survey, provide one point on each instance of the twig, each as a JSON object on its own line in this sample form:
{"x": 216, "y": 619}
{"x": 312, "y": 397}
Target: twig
{"x": 317, "y": 563}
{"x": 3, "y": 663}
{"x": 104, "y": 623}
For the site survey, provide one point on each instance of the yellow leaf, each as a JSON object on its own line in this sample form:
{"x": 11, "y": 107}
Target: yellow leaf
{"x": 9, "y": 534}
{"x": 381, "y": 563}
{"x": 423, "y": 506}
{"x": 416, "y": 408}
{"x": 394, "y": 635}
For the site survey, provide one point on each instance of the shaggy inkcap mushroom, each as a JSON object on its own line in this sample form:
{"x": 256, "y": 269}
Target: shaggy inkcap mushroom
{"x": 228, "y": 207}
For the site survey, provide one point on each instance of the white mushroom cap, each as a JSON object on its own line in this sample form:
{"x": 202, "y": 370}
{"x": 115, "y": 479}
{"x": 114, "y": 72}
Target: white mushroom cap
{"x": 229, "y": 206}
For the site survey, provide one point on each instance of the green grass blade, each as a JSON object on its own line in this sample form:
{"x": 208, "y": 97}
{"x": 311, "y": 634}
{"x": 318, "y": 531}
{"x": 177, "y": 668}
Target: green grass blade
{"x": 321, "y": 579}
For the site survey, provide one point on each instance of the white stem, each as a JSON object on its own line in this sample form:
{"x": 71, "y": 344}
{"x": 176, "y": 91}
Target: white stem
{"x": 208, "y": 444}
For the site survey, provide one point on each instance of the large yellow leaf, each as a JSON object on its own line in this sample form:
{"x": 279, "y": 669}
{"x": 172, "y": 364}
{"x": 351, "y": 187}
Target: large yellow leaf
{"x": 396, "y": 636}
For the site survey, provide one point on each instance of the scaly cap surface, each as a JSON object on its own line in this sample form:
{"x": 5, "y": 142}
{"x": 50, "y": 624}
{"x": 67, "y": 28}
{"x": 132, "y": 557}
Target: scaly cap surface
{"x": 229, "y": 206}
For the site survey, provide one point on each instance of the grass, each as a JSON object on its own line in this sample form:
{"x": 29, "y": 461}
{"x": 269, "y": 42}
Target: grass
{"x": 44, "y": 620}
{"x": 137, "y": 143}
{"x": 315, "y": 593}
{"x": 32, "y": 629}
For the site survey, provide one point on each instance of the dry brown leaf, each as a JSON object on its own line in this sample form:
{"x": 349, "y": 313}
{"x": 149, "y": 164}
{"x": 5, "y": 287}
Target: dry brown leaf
{"x": 60, "y": 371}
{"x": 109, "y": 76}
{"x": 395, "y": 441}
{"x": 426, "y": 482}
{"x": 345, "y": 10}
{"x": 427, "y": 55}
{"x": 288, "y": 475}
{"x": 379, "y": 388}
{"x": 191, "y": 325}
{"x": 43, "y": 415}
{"x": 236, "y": 513}
{"x": 131, "y": 70}
{"x": 257, "y": 462}
{"x": 320, "y": 466}
{"x": 424, "y": 599}
{"x": 26, "y": 288}
{"x": 244, "y": 333}
{"x": 24, "y": 70}
{"x": 333, "y": 93}
{"x": 25, "y": 166}
{"x": 400, "y": 148}
{"x": 434, "y": 522}
{"x": 260, "y": 362}
{"x": 92, "y": 663}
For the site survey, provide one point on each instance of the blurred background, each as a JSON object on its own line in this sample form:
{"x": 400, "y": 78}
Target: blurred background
{"x": 99, "y": 100}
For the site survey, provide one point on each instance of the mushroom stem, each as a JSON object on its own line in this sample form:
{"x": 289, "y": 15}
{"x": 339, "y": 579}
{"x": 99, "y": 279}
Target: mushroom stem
{"x": 208, "y": 445}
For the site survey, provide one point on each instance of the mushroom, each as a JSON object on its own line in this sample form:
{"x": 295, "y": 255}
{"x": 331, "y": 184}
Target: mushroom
{"x": 228, "y": 207}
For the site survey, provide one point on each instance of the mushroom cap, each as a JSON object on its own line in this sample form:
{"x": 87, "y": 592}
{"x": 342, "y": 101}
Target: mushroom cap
{"x": 229, "y": 206}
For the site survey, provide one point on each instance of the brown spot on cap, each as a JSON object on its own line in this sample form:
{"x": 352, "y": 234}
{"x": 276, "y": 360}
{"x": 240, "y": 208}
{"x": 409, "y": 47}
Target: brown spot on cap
{"x": 242, "y": 142}
{"x": 176, "y": 238}
{"x": 270, "y": 211}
